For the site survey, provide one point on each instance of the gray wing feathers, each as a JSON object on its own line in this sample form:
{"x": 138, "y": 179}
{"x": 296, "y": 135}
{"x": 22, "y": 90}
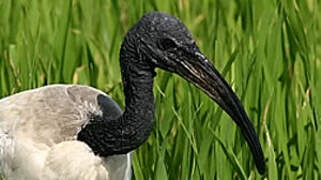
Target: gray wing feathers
{"x": 38, "y": 128}
{"x": 54, "y": 113}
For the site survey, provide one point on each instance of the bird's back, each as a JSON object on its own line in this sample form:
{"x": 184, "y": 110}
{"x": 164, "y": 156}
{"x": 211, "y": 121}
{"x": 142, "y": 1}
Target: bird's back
{"x": 38, "y": 130}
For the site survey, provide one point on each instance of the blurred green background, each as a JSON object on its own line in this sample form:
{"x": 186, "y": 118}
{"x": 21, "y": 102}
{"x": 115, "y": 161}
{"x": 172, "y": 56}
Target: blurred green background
{"x": 268, "y": 50}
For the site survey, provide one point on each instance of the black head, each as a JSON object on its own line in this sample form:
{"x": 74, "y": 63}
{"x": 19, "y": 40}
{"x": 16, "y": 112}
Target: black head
{"x": 163, "y": 41}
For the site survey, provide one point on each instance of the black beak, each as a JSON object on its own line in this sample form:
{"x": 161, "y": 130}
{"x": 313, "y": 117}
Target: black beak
{"x": 203, "y": 74}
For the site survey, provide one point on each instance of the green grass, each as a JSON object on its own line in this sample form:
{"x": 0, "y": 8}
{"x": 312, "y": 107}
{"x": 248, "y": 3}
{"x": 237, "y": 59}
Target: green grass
{"x": 268, "y": 50}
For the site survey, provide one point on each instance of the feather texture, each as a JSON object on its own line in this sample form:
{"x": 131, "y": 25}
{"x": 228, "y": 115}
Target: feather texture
{"x": 38, "y": 135}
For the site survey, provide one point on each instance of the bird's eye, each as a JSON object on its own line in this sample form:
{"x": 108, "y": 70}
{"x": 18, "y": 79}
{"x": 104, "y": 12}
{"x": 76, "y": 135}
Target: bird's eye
{"x": 166, "y": 43}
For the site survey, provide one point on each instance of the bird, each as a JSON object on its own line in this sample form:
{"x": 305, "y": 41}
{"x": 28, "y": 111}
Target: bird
{"x": 70, "y": 132}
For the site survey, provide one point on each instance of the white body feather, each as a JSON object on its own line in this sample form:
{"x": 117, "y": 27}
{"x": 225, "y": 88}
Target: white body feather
{"x": 38, "y": 136}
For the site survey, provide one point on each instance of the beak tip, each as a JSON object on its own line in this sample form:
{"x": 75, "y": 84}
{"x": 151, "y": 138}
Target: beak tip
{"x": 261, "y": 168}
{"x": 259, "y": 162}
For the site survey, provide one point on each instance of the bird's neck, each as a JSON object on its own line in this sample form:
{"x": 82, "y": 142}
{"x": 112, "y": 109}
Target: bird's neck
{"x": 126, "y": 133}
{"x": 138, "y": 117}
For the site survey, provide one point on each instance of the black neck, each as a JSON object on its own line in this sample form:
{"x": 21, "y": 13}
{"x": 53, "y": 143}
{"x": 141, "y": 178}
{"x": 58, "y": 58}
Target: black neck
{"x": 118, "y": 136}
{"x": 137, "y": 120}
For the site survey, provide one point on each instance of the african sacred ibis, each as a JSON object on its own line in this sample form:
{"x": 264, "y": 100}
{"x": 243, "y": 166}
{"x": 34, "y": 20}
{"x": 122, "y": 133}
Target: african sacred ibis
{"x": 75, "y": 132}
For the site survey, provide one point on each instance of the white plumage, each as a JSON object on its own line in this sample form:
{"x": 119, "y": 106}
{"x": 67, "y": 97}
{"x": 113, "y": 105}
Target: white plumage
{"x": 38, "y": 131}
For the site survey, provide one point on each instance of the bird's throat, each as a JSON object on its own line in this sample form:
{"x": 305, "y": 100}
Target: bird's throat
{"x": 137, "y": 120}
{"x": 119, "y": 136}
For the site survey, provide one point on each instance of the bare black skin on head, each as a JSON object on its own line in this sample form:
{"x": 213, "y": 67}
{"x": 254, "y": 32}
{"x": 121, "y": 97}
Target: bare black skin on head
{"x": 161, "y": 40}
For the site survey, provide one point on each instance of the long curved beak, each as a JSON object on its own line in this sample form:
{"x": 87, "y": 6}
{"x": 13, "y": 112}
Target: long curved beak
{"x": 203, "y": 74}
